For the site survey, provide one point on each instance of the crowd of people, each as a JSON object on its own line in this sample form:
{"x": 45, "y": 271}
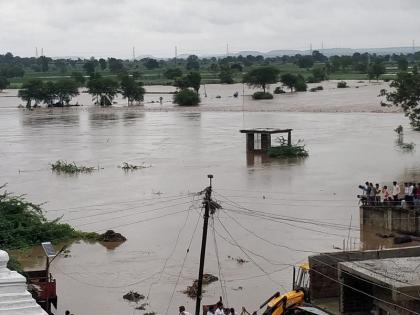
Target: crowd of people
{"x": 406, "y": 195}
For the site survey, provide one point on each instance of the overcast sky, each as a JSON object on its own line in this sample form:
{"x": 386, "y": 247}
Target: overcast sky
{"x": 113, "y": 27}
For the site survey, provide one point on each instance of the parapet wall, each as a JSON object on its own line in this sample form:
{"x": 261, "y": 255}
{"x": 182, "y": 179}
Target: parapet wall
{"x": 391, "y": 218}
{"x": 324, "y": 270}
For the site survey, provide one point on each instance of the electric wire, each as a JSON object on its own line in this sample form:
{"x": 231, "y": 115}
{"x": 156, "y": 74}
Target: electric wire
{"x": 249, "y": 257}
{"x": 171, "y": 253}
{"x": 182, "y": 266}
{"x": 219, "y": 267}
{"x": 314, "y": 252}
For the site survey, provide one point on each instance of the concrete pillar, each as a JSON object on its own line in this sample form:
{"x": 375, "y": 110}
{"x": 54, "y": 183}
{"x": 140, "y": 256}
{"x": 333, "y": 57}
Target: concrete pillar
{"x": 289, "y": 138}
{"x": 14, "y": 298}
{"x": 250, "y": 142}
{"x": 265, "y": 142}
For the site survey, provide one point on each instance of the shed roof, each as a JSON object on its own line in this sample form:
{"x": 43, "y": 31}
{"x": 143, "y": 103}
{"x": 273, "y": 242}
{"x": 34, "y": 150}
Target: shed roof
{"x": 265, "y": 130}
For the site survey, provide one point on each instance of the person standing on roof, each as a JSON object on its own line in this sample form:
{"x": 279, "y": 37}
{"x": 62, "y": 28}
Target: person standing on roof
{"x": 395, "y": 191}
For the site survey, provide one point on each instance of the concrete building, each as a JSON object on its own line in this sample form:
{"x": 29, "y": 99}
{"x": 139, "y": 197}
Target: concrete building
{"x": 14, "y": 298}
{"x": 384, "y": 286}
{"x": 334, "y": 276}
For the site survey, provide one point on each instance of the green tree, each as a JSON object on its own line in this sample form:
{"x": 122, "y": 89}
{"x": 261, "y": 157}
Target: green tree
{"x": 115, "y": 65}
{"x": 150, "y": 63}
{"x": 90, "y": 67}
{"x": 194, "y": 80}
{"x": 262, "y": 77}
{"x": 319, "y": 74}
{"x": 4, "y": 83}
{"x": 132, "y": 90}
{"x": 305, "y": 62}
{"x": 225, "y": 75}
{"x": 44, "y": 62}
{"x": 32, "y": 90}
{"x": 405, "y": 93}
{"x": 300, "y": 85}
{"x": 193, "y": 63}
{"x": 186, "y": 97}
{"x": 376, "y": 70}
{"x": 103, "y": 90}
{"x": 102, "y": 63}
{"x": 289, "y": 80}
{"x": 65, "y": 90}
{"x": 173, "y": 73}
{"x": 402, "y": 64}
{"x": 78, "y": 78}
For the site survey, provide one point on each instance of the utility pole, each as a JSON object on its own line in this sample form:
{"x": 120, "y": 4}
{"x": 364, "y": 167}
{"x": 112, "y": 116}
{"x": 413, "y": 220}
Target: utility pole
{"x": 207, "y": 205}
{"x": 36, "y": 52}
{"x": 134, "y": 53}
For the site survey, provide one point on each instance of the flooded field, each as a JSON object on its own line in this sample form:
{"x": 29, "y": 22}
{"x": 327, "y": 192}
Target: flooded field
{"x": 158, "y": 211}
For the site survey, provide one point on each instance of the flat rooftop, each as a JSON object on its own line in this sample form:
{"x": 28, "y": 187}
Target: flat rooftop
{"x": 401, "y": 274}
{"x": 265, "y": 130}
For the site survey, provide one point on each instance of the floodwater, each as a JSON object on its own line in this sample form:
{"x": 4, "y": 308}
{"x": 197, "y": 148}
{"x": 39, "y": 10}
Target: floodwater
{"x": 157, "y": 208}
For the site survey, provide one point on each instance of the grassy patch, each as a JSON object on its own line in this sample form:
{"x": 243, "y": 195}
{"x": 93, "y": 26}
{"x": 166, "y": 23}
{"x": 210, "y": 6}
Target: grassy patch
{"x": 61, "y": 166}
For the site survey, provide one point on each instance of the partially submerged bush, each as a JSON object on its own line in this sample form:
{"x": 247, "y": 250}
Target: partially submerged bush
{"x": 186, "y": 97}
{"x": 61, "y": 166}
{"x": 316, "y": 89}
{"x": 279, "y": 90}
{"x": 283, "y": 150}
{"x": 342, "y": 85}
{"x": 262, "y": 96}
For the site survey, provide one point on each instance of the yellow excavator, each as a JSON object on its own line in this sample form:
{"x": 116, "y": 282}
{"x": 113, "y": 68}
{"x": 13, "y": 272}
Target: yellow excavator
{"x": 295, "y": 301}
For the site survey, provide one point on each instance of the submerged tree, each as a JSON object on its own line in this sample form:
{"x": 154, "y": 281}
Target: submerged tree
{"x": 65, "y": 90}
{"x": 103, "y": 90}
{"x": 405, "y": 93}
{"x": 132, "y": 90}
{"x": 32, "y": 91}
{"x": 261, "y": 77}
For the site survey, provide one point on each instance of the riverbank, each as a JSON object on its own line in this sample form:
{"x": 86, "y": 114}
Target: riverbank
{"x": 360, "y": 96}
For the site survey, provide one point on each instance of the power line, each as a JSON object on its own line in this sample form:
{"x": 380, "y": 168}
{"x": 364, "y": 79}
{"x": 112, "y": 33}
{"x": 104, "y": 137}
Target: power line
{"x": 307, "y": 251}
{"x": 249, "y": 257}
{"x": 182, "y": 265}
{"x": 222, "y": 288}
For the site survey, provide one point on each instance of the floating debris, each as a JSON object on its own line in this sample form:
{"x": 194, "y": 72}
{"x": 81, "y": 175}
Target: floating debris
{"x": 61, "y": 166}
{"x": 111, "y": 236}
{"x": 150, "y": 313}
{"x": 239, "y": 260}
{"x": 131, "y": 167}
{"x": 191, "y": 291}
{"x": 142, "y": 307}
{"x": 133, "y": 296}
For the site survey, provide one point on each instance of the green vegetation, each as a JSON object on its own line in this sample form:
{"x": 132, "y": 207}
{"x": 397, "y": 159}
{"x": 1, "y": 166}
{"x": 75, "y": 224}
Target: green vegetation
{"x": 314, "y": 68}
{"x": 262, "y": 96}
{"x": 186, "y": 97}
{"x": 405, "y": 93}
{"x": 226, "y": 75}
{"x": 342, "y": 85}
{"x": 4, "y": 83}
{"x": 294, "y": 82}
{"x": 279, "y": 90}
{"x": 103, "y": 90}
{"x": 70, "y": 168}
{"x": 261, "y": 77}
{"x": 287, "y": 151}
{"x": 22, "y": 225}
{"x": 132, "y": 90}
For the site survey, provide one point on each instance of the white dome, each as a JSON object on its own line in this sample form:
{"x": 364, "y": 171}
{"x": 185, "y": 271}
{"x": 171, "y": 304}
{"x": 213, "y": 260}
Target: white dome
{"x": 4, "y": 258}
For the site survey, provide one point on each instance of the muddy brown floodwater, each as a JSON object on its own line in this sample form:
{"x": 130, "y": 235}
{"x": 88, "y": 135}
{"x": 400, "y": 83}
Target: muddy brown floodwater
{"x": 155, "y": 207}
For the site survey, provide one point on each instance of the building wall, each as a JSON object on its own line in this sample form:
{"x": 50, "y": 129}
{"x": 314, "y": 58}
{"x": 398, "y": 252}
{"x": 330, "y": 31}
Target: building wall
{"x": 324, "y": 266}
